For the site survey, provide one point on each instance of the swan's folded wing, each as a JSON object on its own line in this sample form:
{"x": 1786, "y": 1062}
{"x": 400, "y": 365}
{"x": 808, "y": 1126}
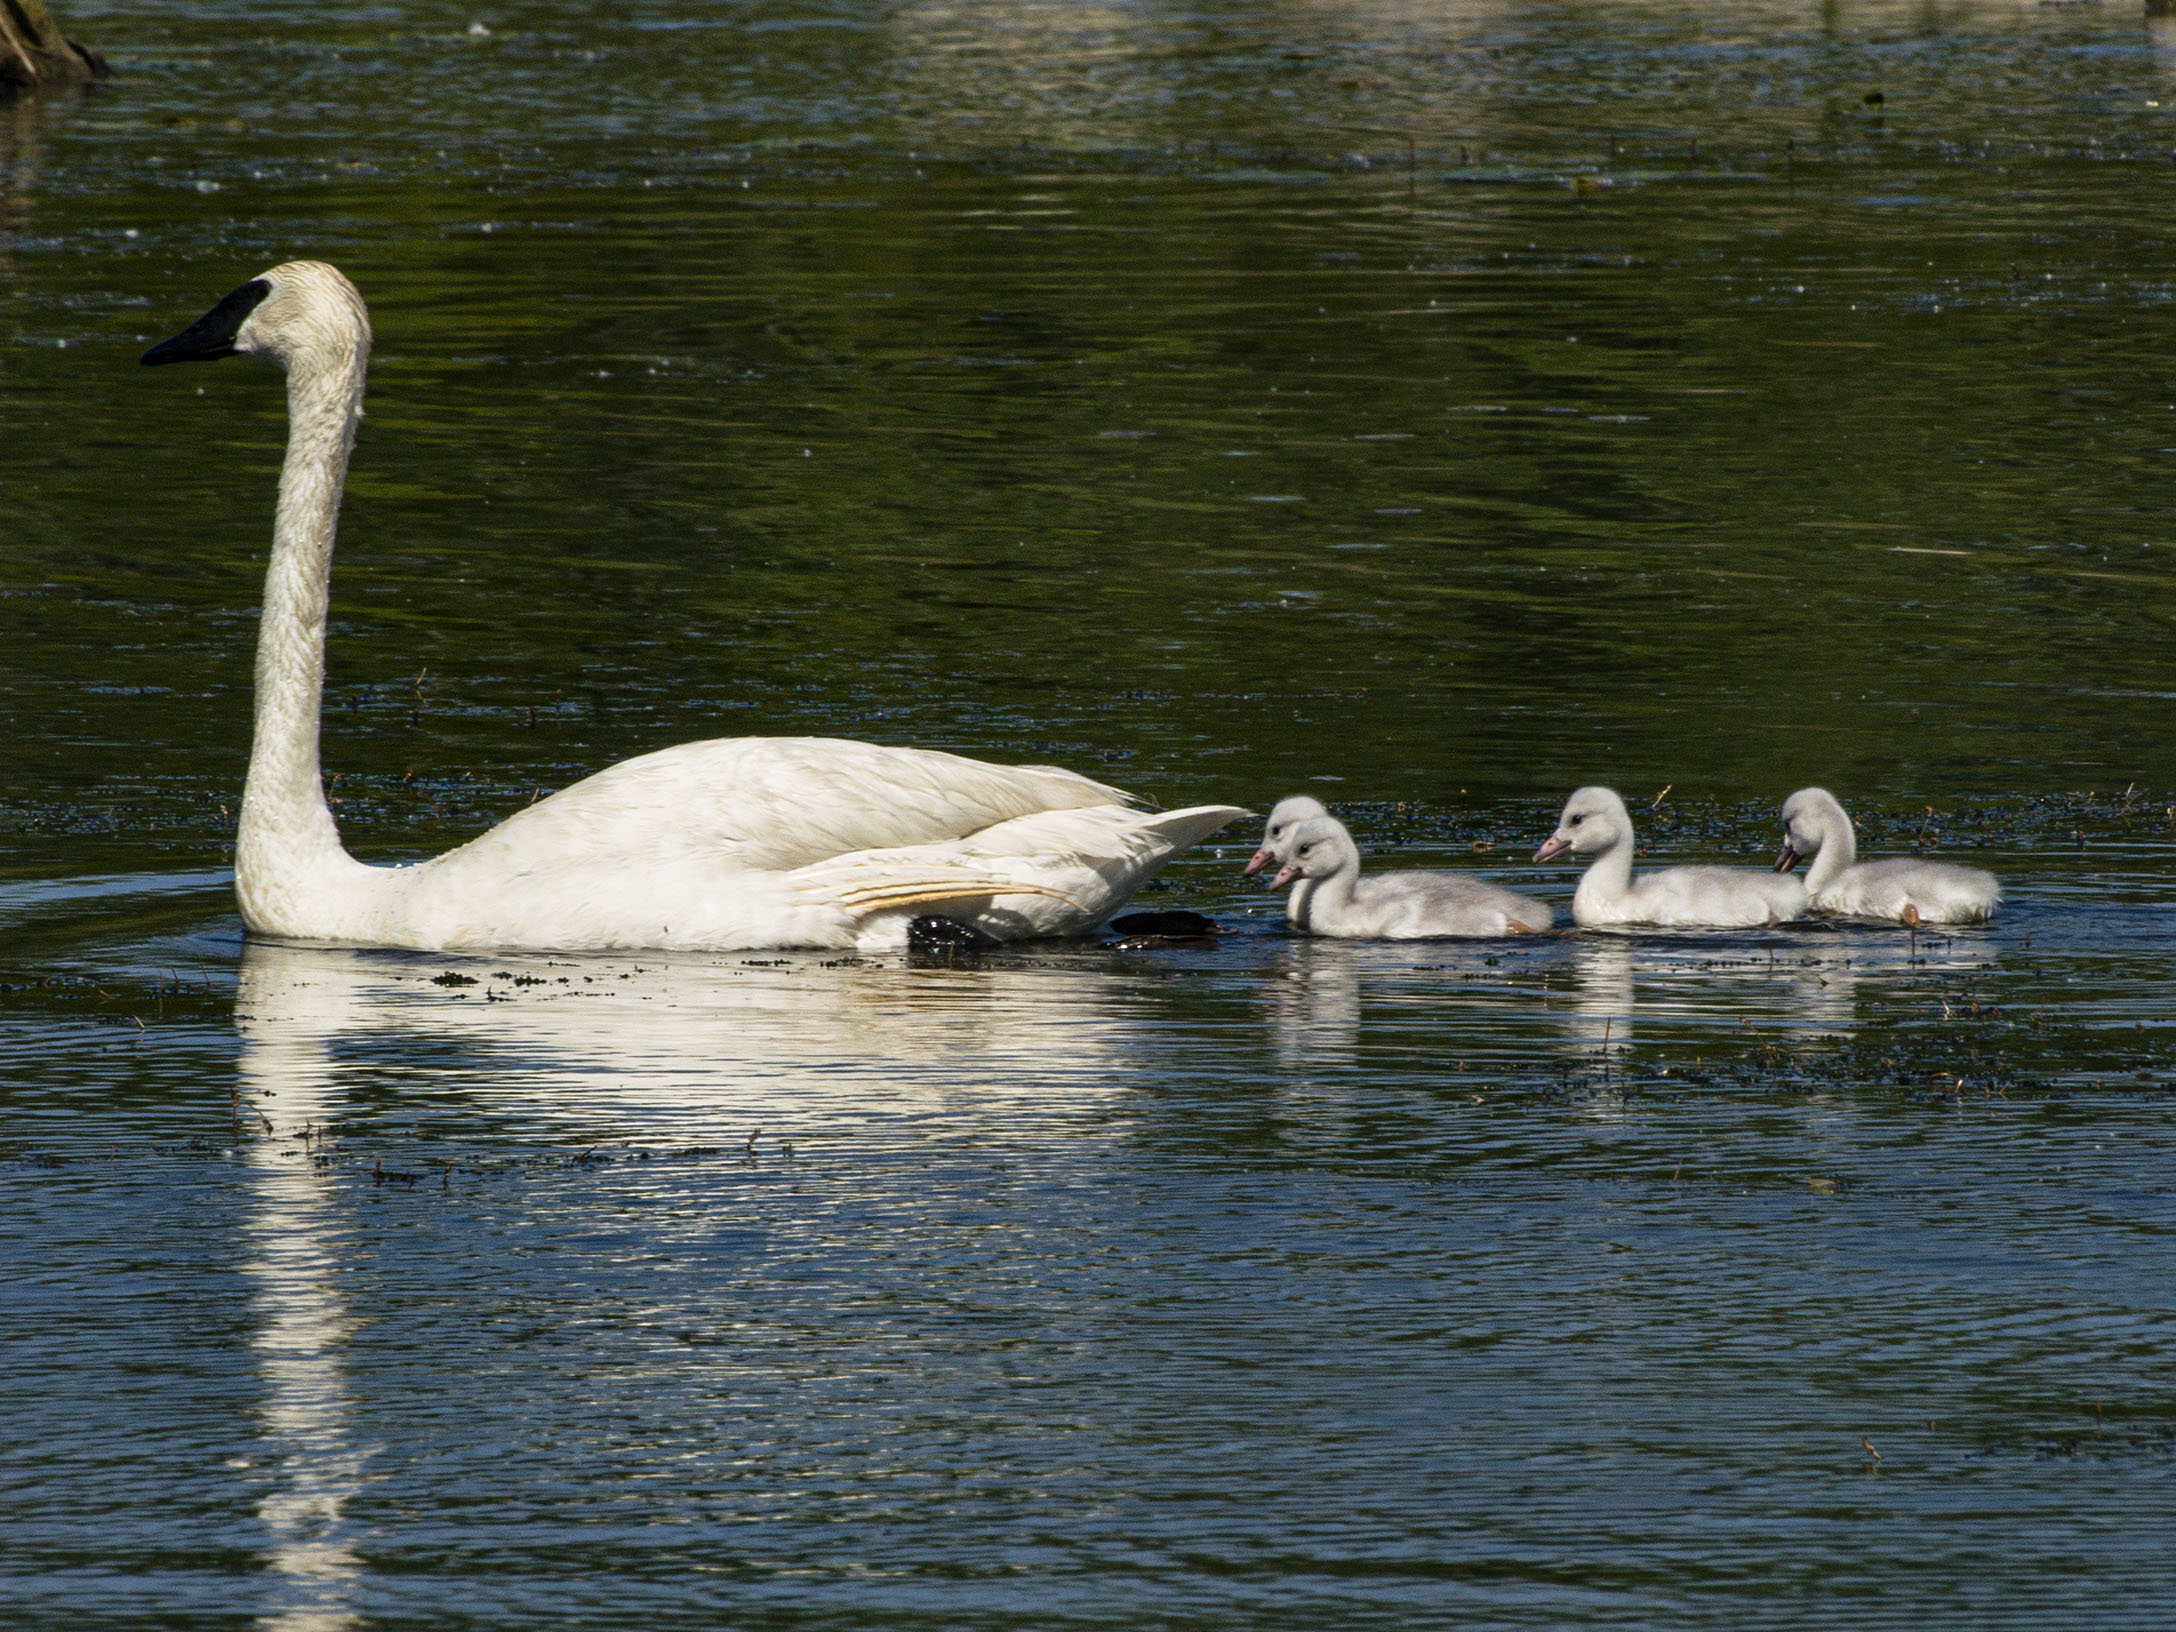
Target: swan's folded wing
{"x": 785, "y": 802}
{"x": 1097, "y": 857}
{"x": 1089, "y": 860}
{"x": 879, "y": 881}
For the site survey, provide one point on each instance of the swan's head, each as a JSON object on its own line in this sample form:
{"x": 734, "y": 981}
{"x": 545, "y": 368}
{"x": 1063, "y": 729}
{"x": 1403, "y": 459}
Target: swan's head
{"x": 303, "y": 309}
{"x": 1288, "y": 814}
{"x": 1315, "y": 848}
{"x": 1811, "y": 817}
{"x": 1594, "y": 819}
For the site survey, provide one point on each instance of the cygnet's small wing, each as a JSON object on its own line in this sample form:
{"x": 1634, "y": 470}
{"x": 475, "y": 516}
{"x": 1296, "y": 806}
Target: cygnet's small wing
{"x": 1714, "y": 898}
{"x": 1939, "y": 892}
{"x": 1417, "y": 905}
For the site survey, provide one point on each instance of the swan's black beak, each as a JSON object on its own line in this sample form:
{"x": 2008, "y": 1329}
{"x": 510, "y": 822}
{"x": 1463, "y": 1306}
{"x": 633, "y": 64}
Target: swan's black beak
{"x": 211, "y": 336}
{"x": 1788, "y": 860}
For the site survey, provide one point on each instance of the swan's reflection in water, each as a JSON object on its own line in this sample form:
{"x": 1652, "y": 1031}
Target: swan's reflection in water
{"x": 655, "y": 1047}
{"x": 589, "y": 1050}
{"x": 829, "y": 1050}
{"x": 293, "y": 1266}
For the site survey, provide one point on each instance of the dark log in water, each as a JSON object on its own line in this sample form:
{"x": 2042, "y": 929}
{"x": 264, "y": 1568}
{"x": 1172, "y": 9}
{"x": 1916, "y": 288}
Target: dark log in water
{"x": 34, "y": 54}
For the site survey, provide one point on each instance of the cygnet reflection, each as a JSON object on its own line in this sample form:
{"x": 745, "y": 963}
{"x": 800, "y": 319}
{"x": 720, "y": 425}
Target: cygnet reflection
{"x": 1599, "y": 975}
{"x": 1823, "y": 988}
{"x": 1654, "y": 989}
{"x": 1314, "y": 1005}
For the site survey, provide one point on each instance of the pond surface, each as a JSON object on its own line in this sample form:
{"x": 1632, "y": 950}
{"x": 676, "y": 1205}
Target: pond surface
{"x": 1432, "y": 408}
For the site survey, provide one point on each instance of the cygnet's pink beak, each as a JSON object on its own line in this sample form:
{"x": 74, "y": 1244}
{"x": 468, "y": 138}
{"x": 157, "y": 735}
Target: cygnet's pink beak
{"x": 1285, "y": 875}
{"x": 1262, "y": 858}
{"x": 1555, "y": 846}
{"x": 1788, "y": 860}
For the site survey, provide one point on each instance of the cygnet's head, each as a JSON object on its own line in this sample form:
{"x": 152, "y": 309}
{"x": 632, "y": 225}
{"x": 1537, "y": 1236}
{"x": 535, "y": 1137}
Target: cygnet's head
{"x": 1811, "y": 816}
{"x": 302, "y": 309}
{"x": 1300, "y": 807}
{"x": 1315, "y": 848}
{"x": 1594, "y": 819}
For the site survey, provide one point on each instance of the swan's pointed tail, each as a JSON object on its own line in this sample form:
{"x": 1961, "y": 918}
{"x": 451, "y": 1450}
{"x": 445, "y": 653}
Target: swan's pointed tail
{"x": 1190, "y": 826}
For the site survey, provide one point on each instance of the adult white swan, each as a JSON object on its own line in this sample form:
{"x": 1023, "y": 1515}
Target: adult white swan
{"x": 1596, "y": 824}
{"x": 738, "y": 842}
{"x": 1816, "y": 828}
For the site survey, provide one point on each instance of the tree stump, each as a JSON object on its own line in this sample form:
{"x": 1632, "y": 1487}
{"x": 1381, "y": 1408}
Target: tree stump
{"x": 35, "y": 54}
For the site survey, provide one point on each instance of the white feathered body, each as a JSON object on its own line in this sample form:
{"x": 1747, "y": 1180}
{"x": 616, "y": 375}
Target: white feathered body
{"x": 748, "y": 842}
{"x": 1688, "y": 898}
{"x": 1412, "y": 906}
{"x": 1942, "y": 892}
{"x": 1331, "y": 897}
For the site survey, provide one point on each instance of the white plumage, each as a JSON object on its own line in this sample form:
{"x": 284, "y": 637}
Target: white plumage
{"x": 1330, "y": 897}
{"x": 1817, "y": 829}
{"x": 1595, "y": 823}
{"x": 735, "y": 843}
{"x": 1288, "y": 814}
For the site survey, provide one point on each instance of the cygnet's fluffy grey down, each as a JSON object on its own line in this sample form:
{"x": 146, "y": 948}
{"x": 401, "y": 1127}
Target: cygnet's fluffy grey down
{"x": 1596, "y": 824}
{"x": 1329, "y": 897}
{"x": 1816, "y": 828}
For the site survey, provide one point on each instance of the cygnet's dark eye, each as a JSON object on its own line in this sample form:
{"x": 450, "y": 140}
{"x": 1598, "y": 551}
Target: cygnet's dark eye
{"x": 1305, "y": 848}
{"x": 1576, "y": 820}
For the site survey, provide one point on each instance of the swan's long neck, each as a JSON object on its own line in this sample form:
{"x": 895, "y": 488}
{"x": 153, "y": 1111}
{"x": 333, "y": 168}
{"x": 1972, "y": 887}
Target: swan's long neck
{"x": 287, "y": 839}
{"x": 1839, "y": 849}
{"x": 1333, "y": 892}
{"x": 1608, "y": 878}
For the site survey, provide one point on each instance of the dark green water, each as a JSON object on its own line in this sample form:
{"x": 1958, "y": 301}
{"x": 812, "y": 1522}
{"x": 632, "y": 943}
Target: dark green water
{"x": 1431, "y": 408}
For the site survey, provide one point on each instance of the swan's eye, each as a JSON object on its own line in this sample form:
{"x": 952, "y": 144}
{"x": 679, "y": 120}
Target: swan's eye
{"x": 1305, "y": 848}
{"x": 1576, "y": 820}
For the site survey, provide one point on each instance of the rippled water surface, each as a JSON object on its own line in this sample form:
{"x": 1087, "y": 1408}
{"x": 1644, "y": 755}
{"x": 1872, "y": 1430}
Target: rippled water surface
{"x": 1431, "y": 407}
